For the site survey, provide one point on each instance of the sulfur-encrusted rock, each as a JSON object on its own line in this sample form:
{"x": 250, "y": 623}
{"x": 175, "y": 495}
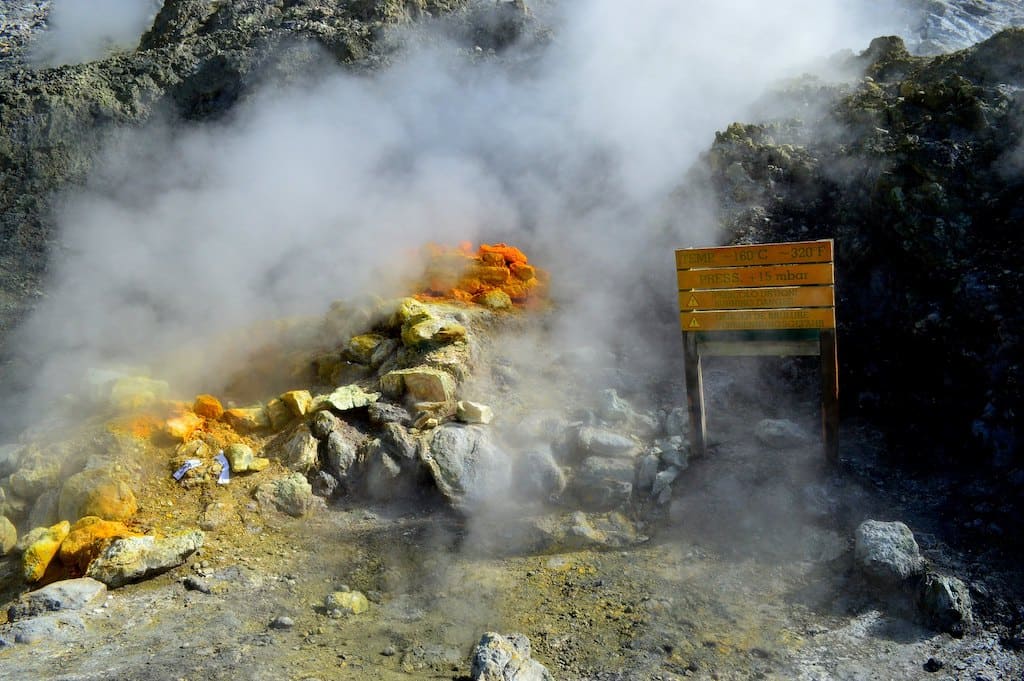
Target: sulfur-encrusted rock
{"x": 341, "y": 603}
{"x": 474, "y": 412}
{"x": 182, "y": 426}
{"x": 248, "y": 419}
{"x": 208, "y": 407}
{"x": 8, "y": 536}
{"x": 279, "y": 414}
{"x": 99, "y": 492}
{"x": 38, "y": 555}
{"x": 422, "y": 384}
{"x": 129, "y": 393}
{"x": 495, "y": 299}
{"x": 299, "y": 401}
{"x": 345, "y": 398}
{"x": 506, "y": 658}
{"x": 136, "y": 558}
{"x": 361, "y": 348}
{"x": 87, "y": 539}
{"x": 242, "y": 460}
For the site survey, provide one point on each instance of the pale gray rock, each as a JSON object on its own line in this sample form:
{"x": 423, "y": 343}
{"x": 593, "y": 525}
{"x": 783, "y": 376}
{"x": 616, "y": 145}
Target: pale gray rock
{"x": 342, "y": 455}
{"x": 473, "y": 412}
{"x": 506, "y": 658}
{"x": 887, "y": 553}
{"x": 467, "y": 467}
{"x": 56, "y": 628}
{"x": 604, "y": 482}
{"x": 8, "y": 536}
{"x": 539, "y": 474}
{"x": 136, "y": 558}
{"x": 593, "y": 441}
{"x": 612, "y": 408}
{"x": 647, "y": 470}
{"x": 68, "y": 594}
{"x": 292, "y": 495}
{"x": 780, "y": 434}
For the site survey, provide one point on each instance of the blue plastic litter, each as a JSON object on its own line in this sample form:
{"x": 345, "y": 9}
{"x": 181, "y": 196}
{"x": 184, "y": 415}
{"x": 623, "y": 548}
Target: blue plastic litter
{"x": 225, "y": 469}
{"x": 186, "y": 467}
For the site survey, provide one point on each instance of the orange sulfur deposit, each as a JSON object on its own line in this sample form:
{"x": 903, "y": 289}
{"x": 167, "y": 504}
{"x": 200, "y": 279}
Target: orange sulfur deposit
{"x": 474, "y": 276}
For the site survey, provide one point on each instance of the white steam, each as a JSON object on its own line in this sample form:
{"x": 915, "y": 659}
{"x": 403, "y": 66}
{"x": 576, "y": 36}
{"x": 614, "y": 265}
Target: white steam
{"x": 82, "y": 30}
{"x": 316, "y": 194}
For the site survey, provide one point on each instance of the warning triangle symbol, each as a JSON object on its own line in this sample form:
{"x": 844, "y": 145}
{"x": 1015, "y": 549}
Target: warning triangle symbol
{"x": 694, "y": 324}
{"x": 692, "y": 302}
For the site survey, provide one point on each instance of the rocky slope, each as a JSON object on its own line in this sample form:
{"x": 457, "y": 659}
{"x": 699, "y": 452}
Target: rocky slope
{"x": 916, "y": 172}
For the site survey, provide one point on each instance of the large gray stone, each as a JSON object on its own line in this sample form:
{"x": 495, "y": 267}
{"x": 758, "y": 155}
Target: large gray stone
{"x": 780, "y": 434}
{"x": 342, "y": 455}
{"x": 466, "y": 465}
{"x": 69, "y": 594}
{"x": 299, "y": 452}
{"x": 946, "y": 603}
{"x": 8, "y": 535}
{"x": 55, "y": 628}
{"x": 604, "y": 482}
{"x": 594, "y": 441}
{"x": 539, "y": 475}
{"x": 506, "y": 658}
{"x": 136, "y": 558}
{"x": 291, "y": 494}
{"x": 887, "y": 553}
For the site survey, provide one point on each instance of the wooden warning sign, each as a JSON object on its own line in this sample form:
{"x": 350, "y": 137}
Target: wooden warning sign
{"x": 775, "y": 294}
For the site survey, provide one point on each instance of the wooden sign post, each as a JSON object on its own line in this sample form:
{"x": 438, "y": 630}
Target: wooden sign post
{"x": 764, "y": 299}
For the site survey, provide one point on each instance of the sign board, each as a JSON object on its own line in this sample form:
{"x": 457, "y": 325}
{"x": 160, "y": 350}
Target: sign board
{"x": 768, "y": 289}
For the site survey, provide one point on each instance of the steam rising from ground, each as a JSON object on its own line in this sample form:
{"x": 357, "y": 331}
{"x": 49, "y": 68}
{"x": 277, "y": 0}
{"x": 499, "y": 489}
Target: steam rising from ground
{"x": 315, "y": 193}
{"x": 82, "y": 30}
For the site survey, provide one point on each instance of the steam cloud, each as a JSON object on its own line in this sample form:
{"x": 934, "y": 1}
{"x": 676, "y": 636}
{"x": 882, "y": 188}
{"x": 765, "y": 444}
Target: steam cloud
{"x": 313, "y": 194}
{"x": 82, "y": 30}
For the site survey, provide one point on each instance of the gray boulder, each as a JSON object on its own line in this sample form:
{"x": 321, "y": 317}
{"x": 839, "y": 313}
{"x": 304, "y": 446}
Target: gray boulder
{"x": 887, "y": 553}
{"x": 506, "y": 658}
{"x": 539, "y": 475}
{"x": 466, "y": 465}
{"x": 69, "y": 594}
{"x": 604, "y": 482}
{"x": 342, "y": 456}
{"x": 136, "y": 558}
{"x": 323, "y": 424}
{"x": 593, "y": 441}
{"x": 291, "y": 494}
{"x": 780, "y": 434}
{"x": 946, "y": 603}
{"x": 299, "y": 451}
{"x": 56, "y": 628}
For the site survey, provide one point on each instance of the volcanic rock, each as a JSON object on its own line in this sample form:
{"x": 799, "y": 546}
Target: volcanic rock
{"x": 36, "y": 474}
{"x": 342, "y": 455}
{"x": 387, "y": 412}
{"x": 279, "y": 414}
{"x": 97, "y": 492}
{"x": 341, "y": 603}
{"x": 780, "y": 434}
{"x": 539, "y": 475}
{"x": 474, "y": 412}
{"x": 44, "y": 511}
{"x": 241, "y": 459}
{"x": 467, "y": 467}
{"x": 68, "y": 594}
{"x": 208, "y": 407}
{"x": 247, "y": 419}
{"x": 887, "y": 553}
{"x": 182, "y": 426}
{"x": 8, "y": 536}
{"x": 604, "y": 482}
{"x": 299, "y": 451}
{"x": 87, "y": 539}
{"x": 505, "y": 658}
{"x": 361, "y": 348}
{"x": 136, "y": 558}
{"x": 593, "y": 441}
{"x": 946, "y": 603}
{"x": 299, "y": 401}
{"x": 291, "y": 494}
{"x": 422, "y": 384}
{"x": 647, "y": 470}
{"x": 40, "y": 552}
{"x": 345, "y": 398}
{"x": 129, "y": 393}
